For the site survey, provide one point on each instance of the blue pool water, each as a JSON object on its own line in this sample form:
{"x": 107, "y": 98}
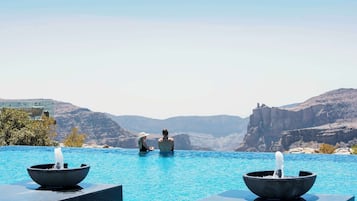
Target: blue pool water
{"x": 188, "y": 175}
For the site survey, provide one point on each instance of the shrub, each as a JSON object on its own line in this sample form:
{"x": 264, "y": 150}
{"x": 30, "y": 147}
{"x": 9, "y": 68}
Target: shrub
{"x": 74, "y": 139}
{"x": 354, "y": 149}
{"x": 326, "y": 149}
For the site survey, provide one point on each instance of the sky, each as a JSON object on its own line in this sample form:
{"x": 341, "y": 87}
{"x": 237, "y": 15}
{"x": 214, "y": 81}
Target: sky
{"x": 163, "y": 58}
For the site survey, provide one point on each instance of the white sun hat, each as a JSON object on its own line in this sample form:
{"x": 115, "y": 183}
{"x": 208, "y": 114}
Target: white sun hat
{"x": 143, "y": 134}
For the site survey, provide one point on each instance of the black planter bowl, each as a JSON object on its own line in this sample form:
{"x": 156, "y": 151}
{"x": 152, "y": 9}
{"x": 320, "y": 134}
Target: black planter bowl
{"x": 46, "y": 176}
{"x": 287, "y": 188}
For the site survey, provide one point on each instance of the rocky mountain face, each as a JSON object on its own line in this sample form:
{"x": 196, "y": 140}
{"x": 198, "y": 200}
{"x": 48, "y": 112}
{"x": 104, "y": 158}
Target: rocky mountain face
{"x": 99, "y": 128}
{"x": 329, "y": 118}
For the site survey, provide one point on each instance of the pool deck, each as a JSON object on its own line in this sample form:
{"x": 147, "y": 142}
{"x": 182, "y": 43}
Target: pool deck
{"x": 240, "y": 195}
{"x": 30, "y": 191}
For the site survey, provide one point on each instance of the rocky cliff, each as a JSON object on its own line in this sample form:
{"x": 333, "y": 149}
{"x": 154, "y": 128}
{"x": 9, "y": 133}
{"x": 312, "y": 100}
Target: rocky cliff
{"x": 328, "y": 118}
{"x": 99, "y": 128}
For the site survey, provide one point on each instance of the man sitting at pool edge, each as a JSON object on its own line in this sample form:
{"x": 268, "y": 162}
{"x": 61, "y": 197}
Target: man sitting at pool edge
{"x": 166, "y": 144}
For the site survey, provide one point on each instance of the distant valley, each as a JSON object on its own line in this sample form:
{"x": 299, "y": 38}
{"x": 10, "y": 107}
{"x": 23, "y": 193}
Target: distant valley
{"x": 327, "y": 118}
{"x": 219, "y": 132}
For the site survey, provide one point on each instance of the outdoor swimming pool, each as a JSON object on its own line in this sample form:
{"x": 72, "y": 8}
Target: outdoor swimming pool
{"x": 188, "y": 175}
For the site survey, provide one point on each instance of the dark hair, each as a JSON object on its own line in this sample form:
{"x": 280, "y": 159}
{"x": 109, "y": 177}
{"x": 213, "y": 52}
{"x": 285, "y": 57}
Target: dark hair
{"x": 165, "y": 132}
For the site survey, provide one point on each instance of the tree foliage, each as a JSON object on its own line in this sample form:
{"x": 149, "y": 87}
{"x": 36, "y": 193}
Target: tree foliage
{"x": 45, "y": 130}
{"x": 17, "y": 128}
{"x": 354, "y": 149}
{"x": 74, "y": 139}
{"x": 326, "y": 149}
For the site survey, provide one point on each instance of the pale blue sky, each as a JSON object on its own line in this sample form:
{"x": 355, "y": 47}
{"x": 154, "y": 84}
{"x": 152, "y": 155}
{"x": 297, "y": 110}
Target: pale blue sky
{"x": 167, "y": 58}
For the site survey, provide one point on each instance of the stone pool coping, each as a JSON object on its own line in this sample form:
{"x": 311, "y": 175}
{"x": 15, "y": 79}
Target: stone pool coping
{"x": 241, "y": 195}
{"x": 30, "y": 191}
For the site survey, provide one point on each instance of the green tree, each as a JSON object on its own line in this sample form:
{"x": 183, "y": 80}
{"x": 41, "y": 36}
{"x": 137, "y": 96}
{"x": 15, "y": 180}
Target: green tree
{"x": 45, "y": 131}
{"x": 17, "y": 128}
{"x": 12, "y": 123}
{"x": 74, "y": 139}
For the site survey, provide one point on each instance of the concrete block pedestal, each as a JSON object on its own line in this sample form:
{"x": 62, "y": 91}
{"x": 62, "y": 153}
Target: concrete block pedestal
{"x": 240, "y": 195}
{"x": 30, "y": 191}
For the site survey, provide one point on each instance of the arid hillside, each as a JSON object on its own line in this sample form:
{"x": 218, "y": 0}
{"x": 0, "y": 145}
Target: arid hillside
{"x": 328, "y": 118}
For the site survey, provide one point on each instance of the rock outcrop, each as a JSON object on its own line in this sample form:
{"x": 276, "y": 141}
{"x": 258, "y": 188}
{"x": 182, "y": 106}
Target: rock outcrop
{"x": 328, "y": 118}
{"x": 99, "y": 128}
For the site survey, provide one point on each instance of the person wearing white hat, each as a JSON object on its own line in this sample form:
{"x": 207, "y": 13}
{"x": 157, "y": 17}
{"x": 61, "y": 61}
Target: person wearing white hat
{"x": 143, "y": 147}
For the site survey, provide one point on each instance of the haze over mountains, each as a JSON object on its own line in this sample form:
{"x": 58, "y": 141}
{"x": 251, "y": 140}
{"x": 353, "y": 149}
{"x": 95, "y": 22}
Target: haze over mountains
{"x": 218, "y": 125}
{"x": 219, "y": 132}
{"x": 328, "y": 118}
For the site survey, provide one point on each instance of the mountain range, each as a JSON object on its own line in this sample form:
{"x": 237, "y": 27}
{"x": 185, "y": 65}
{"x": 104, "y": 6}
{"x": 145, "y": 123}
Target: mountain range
{"x": 218, "y": 132}
{"x": 190, "y": 132}
{"x": 217, "y": 126}
{"x": 327, "y": 118}
{"x": 221, "y": 132}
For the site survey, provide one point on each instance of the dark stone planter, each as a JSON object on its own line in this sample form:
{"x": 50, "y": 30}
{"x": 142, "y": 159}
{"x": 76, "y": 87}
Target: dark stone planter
{"x": 287, "y": 188}
{"x": 46, "y": 176}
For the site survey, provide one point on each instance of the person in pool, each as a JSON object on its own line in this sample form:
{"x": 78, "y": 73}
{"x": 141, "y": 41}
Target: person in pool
{"x": 165, "y": 143}
{"x": 143, "y": 147}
